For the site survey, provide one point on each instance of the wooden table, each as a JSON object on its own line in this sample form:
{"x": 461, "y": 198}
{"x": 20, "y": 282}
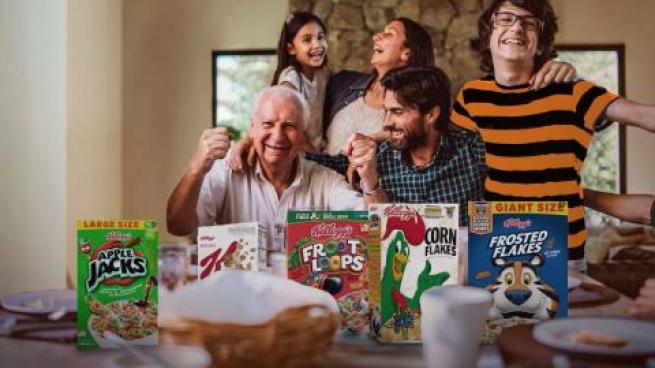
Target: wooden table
{"x": 618, "y": 308}
{"x": 519, "y": 349}
{"x": 348, "y": 351}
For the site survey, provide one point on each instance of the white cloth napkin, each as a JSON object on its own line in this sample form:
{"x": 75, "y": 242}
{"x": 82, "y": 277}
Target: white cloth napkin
{"x": 240, "y": 297}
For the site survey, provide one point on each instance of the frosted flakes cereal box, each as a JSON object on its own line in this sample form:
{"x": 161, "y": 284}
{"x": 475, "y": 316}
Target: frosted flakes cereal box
{"x": 327, "y": 250}
{"x": 412, "y": 247}
{"x": 116, "y": 283}
{"x": 518, "y": 251}
{"x": 234, "y": 246}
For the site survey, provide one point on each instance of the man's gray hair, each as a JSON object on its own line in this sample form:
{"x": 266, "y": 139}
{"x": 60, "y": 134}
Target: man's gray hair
{"x": 287, "y": 93}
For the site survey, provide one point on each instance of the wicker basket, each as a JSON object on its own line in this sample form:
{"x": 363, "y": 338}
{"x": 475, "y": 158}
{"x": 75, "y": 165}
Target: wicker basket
{"x": 296, "y": 337}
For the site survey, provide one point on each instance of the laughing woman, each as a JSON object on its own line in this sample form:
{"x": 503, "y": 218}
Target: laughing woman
{"x": 354, "y": 100}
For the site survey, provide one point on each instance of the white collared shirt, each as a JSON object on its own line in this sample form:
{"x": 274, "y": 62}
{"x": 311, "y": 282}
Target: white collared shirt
{"x": 230, "y": 197}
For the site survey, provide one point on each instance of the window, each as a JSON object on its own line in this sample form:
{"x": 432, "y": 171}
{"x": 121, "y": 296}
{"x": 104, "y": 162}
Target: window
{"x": 604, "y": 168}
{"x": 237, "y": 77}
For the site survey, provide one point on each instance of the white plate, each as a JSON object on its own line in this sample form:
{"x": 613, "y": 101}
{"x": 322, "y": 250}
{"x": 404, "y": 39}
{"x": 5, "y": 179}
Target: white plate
{"x": 559, "y": 333}
{"x": 180, "y": 356}
{"x": 573, "y": 282}
{"x": 41, "y": 302}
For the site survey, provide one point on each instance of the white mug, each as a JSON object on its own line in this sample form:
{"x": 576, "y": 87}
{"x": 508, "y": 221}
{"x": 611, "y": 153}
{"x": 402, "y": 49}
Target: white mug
{"x": 452, "y": 322}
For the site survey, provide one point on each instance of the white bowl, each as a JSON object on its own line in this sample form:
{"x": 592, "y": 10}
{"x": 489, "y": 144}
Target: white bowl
{"x": 149, "y": 340}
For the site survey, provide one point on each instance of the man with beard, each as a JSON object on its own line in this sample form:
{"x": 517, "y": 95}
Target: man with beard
{"x": 422, "y": 161}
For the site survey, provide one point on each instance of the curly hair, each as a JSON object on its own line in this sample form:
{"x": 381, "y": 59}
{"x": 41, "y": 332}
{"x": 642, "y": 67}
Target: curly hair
{"x": 542, "y": 9}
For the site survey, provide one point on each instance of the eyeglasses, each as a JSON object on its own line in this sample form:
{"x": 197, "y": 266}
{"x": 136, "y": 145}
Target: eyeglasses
{"x": 528, "y": 22}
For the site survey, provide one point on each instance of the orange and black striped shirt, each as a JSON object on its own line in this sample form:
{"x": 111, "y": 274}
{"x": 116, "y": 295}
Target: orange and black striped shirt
{"x": 536, "y": 141}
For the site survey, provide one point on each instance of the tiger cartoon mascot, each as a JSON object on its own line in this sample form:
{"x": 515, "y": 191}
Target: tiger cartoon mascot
{"x": 519, "y": 291}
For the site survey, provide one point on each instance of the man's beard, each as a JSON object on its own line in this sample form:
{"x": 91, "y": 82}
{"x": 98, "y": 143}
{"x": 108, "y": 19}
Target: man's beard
{"x": 411, "y": 138}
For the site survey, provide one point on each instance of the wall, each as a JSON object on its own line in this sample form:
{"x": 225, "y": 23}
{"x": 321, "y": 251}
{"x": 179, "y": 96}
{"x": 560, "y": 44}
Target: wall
{"x": 629, "y": 22}
{"x": 94, "y": 150}
{"x": 167, "y": 85}
{"x": 32, "y": 144}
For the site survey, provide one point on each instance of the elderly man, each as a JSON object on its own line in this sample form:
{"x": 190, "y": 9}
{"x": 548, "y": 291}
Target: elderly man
{"x": 536, "y": 141}
{"x": 210, "y": 192}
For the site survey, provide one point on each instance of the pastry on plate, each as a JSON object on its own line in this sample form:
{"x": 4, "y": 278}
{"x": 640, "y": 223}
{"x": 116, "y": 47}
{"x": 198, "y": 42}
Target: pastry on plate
{"x": 597, "y": 338}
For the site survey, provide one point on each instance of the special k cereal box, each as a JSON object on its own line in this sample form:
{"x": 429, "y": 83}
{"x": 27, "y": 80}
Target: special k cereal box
{"x": 518, "y": 251}
{"x": 327, "y": 250}
{"x": 116, "y": 283}
{"x": 412, "y": 247}
{"x": 234, "y": 246}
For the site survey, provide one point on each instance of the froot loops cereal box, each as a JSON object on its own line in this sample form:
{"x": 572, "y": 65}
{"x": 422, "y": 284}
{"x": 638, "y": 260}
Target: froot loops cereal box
{"x": 239, "y": 246}
{"x": 518, "y": 251}
{"x": 412, "y": 248}
{"x": 116, "y": 283}
{"x": 327, "y": 250}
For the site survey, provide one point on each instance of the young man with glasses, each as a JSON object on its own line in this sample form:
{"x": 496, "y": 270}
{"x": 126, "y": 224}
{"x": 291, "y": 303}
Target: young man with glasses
{"x": 536, "y": 141}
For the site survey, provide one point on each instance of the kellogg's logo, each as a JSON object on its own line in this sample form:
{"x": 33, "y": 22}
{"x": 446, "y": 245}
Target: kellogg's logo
{"x": 517, "y": 223}
{"x": 407, "y": 220}
{"x": 118, "y": 236}
{"x": 403, "y": 212}
{"x": 331, "y": 230}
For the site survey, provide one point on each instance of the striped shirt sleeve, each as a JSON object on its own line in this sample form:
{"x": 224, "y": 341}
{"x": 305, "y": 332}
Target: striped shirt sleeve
{"x": 459, "y": 116}
{"x": 592, "y": 104}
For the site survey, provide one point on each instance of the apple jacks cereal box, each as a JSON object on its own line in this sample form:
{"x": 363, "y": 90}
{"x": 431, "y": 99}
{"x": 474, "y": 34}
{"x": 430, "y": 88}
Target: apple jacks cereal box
{"x": 233, "y": 246}
{"x": 518, "y": 251}
{"x": 327, "y": 250}
{"x": 116, "y": 283}
{"x": 412, "y": 247}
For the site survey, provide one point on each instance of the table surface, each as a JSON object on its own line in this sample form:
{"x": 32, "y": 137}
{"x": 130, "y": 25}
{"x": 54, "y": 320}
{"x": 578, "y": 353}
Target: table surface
{"x": 348, "y": 351}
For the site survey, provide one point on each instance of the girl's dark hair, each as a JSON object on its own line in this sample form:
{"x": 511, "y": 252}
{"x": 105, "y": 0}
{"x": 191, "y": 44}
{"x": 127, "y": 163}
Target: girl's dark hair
{"x": 546, "y": 34}
{"x": 290, "y": 28}
{"x": 423, "y": 87}
{"x": 419, "y": 43}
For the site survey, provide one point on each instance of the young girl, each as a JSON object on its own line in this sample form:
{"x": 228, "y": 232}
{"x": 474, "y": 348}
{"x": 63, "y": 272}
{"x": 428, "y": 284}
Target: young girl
{"x": 301, "y": 65}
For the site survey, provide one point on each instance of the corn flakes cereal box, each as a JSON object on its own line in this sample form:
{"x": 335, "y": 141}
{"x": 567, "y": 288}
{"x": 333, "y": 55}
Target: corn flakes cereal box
{"x": 234, "y": 246}
{"x": 116, "y": 283}
{"x": 327, "y": 250}
{"x": 518, "y": 251}
{"x": 412, "y": 247}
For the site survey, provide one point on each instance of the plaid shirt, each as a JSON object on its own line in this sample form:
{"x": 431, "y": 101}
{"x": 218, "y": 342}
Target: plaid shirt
{"x": 455, "y": 175}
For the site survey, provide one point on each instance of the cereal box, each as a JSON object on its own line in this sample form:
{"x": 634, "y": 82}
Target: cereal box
{"x": 116, "y": 283}
{"x": 327, "y": 250}
{"x": 518, "y": 251}
{"x": 233, "y": 246}
{"x": 413, "y": 247}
